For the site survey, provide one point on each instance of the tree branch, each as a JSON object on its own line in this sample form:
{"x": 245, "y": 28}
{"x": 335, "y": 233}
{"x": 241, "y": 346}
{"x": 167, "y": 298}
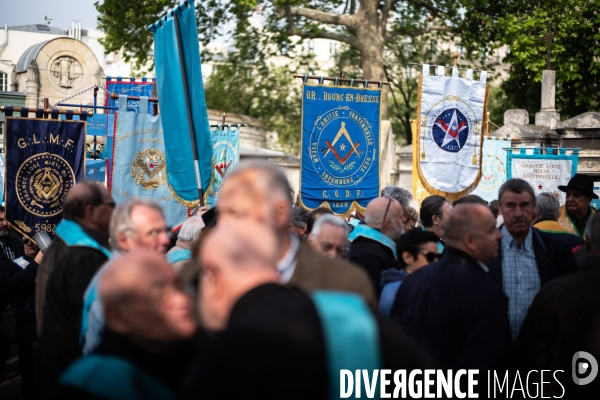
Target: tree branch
{"x": 385, "y": 13}
{"x": 352, "y": 41}
{"x": 414, "y": 33}
{"x": 318, "y": 15}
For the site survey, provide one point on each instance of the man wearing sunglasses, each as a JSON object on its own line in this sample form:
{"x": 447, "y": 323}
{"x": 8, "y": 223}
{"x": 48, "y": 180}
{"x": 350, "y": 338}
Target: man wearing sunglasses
{"x": 373, "y": 246}
{"x": 452, "y": 307}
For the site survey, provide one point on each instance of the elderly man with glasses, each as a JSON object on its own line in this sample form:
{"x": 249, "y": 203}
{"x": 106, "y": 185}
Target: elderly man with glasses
{"x": 373, "y": 246}
{"x": 135, "y": 225}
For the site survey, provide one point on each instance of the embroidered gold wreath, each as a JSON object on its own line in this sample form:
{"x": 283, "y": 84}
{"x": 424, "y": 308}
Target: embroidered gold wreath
{"x": 146, "y": 168}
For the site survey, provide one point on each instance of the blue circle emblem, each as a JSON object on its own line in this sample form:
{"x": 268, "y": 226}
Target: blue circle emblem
{"x": 451, "y": 130}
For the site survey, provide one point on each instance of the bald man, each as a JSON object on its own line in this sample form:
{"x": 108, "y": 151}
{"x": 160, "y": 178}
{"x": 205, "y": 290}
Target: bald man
{"x": 149, "y": 325}
{"x": 273, "y": 339}
{"x": 373, "y": 243}
{"x": 260, "y": 191}
{"x": 452, "y": 307}
{"x": 78, "y": 250}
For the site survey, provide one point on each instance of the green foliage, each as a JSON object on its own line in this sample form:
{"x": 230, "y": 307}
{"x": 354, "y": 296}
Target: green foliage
{"x": 575, "y": 51}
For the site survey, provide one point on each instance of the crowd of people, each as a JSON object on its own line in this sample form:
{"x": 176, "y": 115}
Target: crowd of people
{"x": 258, "y": 298}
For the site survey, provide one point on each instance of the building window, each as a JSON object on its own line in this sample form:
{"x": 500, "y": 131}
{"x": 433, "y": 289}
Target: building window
{"x": 3, "y": 82}
{"x": 284, "y": 48}
{"x": 311, "y": 47}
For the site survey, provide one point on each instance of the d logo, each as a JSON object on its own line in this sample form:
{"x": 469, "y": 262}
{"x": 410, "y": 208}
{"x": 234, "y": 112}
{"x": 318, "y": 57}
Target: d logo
{"x": 584, "y": 363}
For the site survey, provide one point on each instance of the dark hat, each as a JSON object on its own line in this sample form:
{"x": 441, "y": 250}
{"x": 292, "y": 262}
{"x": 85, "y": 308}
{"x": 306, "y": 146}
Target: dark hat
{"x": 585, "y": 183}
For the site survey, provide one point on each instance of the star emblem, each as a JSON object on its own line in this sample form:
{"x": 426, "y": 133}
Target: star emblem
{"x": 452, "y": 130}
{"x": 540, "y": 187}
{"x": 342, "y": 147}
{"x": 151, "y": 165}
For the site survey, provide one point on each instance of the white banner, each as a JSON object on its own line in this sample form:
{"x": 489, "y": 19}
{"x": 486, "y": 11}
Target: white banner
{"x": 450, "y": 120}
{"x": 544, "y": 175}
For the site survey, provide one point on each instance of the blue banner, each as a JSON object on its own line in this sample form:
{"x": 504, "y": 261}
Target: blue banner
{"x": 44, "y": 159}
{"x": 226, "y": 153}
{"x": 178, "y": 143}
{"x": 139, "y": 164}
{"x": 95, "y": 170}
{"x": 340, "y": 147}
{"x": 131, "y": 87}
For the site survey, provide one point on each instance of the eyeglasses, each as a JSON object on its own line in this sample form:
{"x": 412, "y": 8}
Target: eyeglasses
{"x": 430, "y": 257}
{"x": 387, "y": 209}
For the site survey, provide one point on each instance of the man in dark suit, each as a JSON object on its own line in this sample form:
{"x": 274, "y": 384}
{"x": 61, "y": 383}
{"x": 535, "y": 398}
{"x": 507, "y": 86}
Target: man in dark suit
{"x": 277, "y": 342}
{"x": 452, "y": 307}
{"x": 373, "y": 243}
{"x": 528, "y": 258}
{"x": 260, "y": 191}
{"x": 564, "y": 319}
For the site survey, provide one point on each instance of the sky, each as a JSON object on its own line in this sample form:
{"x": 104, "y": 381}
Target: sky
{"x": 26, "y": 12}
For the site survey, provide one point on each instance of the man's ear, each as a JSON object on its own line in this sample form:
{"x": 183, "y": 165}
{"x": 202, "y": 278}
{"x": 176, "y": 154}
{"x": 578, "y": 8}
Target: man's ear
{"x": 407, "y": 258}
{"x": 115, "y": 320}
{"x": 435, "y": 219}
{"x": 282, "y": 212}
{"x": 468, "y": 242}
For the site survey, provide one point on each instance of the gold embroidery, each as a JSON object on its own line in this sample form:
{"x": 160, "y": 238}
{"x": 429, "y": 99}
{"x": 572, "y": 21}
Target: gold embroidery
{"x": 147, "y": 168}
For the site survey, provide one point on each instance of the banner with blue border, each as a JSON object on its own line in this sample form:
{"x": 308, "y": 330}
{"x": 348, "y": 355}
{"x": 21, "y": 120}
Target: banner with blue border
{"x": 44, "y": 160}
{"x": 544, "y": 168}
{"x": 340, "y": 147}
{"x": 226, "y": 154}
{"x": 130, "y": 87}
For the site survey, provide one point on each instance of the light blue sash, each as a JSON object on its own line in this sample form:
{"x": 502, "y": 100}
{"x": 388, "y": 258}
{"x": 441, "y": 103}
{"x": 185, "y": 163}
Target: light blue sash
{"x": 179, "y": 255}
{"x": 373, "y": 234}
{"x": 114, "y": 378}
{"x": 351, "y": 335}
{"x": 74, "y": 235}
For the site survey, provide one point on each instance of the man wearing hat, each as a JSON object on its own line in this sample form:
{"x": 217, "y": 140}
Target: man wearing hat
{"x": 576, "y": 211}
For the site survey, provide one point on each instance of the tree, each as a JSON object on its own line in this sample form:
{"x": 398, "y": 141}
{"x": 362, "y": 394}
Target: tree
{"x": 575, "y": 50}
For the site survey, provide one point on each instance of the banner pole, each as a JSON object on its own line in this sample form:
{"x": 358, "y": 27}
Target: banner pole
{"x": 189, "y": 114}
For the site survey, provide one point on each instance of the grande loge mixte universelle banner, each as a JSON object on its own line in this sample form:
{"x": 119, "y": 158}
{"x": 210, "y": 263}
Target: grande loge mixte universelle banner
{"x": 340, "y": 147}
{"x": 450, "y": 113}
{"x": 44, "y": 160}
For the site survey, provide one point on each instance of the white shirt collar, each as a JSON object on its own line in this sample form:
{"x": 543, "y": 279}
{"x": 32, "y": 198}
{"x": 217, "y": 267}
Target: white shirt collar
{"x": 287, "y": 264}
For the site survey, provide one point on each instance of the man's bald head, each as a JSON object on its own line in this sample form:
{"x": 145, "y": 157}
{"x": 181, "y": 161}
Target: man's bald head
{"x": 143, "y": 303}
{"x": 90, "y": 205}
{"x": 472, "y": 229}
{"x": 386, "y": 215}
{"x": 236, "y": 257}
{"x": 256, "y": 190}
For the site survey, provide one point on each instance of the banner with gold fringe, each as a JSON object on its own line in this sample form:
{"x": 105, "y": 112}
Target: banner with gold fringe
{"x": 139, "y": 162}
{"x": 450, "y": 114}
{"x": 340, "y": 147}
{"x": 44, "y": 160}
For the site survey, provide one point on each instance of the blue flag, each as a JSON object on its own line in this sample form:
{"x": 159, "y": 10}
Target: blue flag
{"x": 130, "y": 87}
{"x": 139, "y": 165}
{"x": 226, "y": 153}
{"x": 169, "y": 79}
{"x": 340, "y": 147}
{"x": 44, "y": 159}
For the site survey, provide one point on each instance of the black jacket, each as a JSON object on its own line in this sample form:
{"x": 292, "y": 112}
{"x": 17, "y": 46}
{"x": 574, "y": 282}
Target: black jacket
{"x": 5, "y": 262}
{"x": 22, "y": 284}
{"x": 275, "y": 348}
{"x": 553, "y": 257}
{"x": 456, "y": 312}
{"x": 374, "y": 257}
{"x": 58, "y": 343}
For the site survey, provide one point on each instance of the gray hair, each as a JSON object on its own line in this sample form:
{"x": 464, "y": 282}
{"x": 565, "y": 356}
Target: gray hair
{"x": 190, "y": 229}
{"x": 299, "y": 217}
{"x": 120, "y": 221}
{"x": 547, "y": 207}
{"x": 402, "y": 196}
{"x": 331, "y": 220}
